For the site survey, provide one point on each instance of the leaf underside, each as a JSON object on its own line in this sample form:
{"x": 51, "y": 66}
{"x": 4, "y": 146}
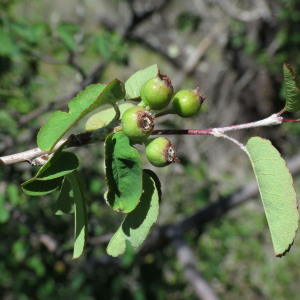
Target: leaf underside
{"x": 65, "y": 202}
{"x": 80, "y": 215}
{"x": 137, "y": 223}
{"x": 292, "y": 89}
{"x": 135, "y": 82}
{"x": 277, "y": 193}
{"x": 104, "y": 117}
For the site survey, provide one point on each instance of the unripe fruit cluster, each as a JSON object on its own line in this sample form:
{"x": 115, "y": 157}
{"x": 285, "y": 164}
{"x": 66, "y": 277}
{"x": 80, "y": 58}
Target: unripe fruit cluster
{"x": 137, "y": 122}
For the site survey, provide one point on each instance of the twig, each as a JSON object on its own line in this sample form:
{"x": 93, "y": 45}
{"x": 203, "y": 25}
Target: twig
{"x": 261, "y": 11}
{"x": 270, "y": 121}
{"x": 86, "y": 138}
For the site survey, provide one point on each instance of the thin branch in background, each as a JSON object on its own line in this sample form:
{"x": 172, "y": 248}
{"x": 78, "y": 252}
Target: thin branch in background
{"x": 194, "y": 59}
{"x": 261, "y": 11}
{"x": 188, "y": 262}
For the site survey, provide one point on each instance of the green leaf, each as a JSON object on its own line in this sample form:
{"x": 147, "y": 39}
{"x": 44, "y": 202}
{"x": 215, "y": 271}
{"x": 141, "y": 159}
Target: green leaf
{"x": 4, "y": 213}
{"x": 50, "y": 175}
{"x": 104, "y": 117}
{"x": 92, "y": 97}
{"x": 135, "y": 82}
{"x": 123, "y": 173}
{"x": 81, "y": 224}
{"x": 59, "y": 165}
{"x": 156, "y": 181}
{"x": 65, "y": 201}
{"x": 64, "y": 164}
{"x": 292, "y": 89}
{"x": 66, "y": 32}
{"x": 277, "y": 191}
{"x": 137, "y": 224}
{"x": 41, "y": 187}
{"x": 7, "y": 45}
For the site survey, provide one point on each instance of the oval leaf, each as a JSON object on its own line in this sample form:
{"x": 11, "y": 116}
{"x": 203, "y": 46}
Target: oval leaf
{"x": 65, "y": 201}
{"x": 40, "y": 187}
{"x": 292, "y": 89}
{"x": 135, "y": 82}
{"x": 92, "y": 97}
{"x": 81, "y": 223}
{"x": 137, "y": 224}
{"x": 59, "y": 165}
{"x": 104, "y": 117}
{"x": 64, "y": 164}
{"x": 277, "y": 192}
{"x": 123, "y": 173}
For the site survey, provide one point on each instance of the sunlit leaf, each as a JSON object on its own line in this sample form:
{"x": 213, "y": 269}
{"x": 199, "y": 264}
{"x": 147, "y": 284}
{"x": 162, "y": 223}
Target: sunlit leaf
{"x": 104, "y": 117}
{"x": 92, "y": 97}
{"x": 137, "y": 224}
{"x": 135, "y": 82}
{"x": 292, "y": 89}
{"x": 277, "y": 193}
{"x": 123, "y": 173}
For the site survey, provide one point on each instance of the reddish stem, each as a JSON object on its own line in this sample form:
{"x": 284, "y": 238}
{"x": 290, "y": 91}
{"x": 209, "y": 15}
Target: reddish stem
{"x": 183, "y": 131}
{"x": 290, "y": 121}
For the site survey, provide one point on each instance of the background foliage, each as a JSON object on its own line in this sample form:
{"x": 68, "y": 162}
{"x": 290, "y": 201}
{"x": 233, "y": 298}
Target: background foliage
{"x": 49, "y": 51}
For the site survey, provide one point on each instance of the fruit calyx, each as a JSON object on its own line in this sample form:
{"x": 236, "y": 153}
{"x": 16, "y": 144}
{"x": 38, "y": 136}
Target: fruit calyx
{"x": 137, "y": 123}
{"x": 145, "y": 121}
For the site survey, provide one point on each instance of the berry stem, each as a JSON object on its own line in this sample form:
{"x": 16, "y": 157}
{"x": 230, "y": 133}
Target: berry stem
{"x": 164, "y": 113}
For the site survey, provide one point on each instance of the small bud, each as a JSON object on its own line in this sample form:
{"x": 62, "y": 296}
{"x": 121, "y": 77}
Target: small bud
{"x": 160, "y": 152}
{"x": 137, "y": 123}
{"x": 187, "y": 103}
{"x": 157, "y": 91}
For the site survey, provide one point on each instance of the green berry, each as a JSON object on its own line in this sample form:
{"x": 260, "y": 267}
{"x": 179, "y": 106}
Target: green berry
{"x": 160, "y": 152}
{"x": 137, "y": 123}
{"x": 187, "y": 103}
{"x": 157, "y": 91}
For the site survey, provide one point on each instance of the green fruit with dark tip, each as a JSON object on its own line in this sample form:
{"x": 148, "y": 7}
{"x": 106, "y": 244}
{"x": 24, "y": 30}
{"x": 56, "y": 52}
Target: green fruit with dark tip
{"x": 187, "y": 103}
{"x": 157, "y": 91}
{"x": 137, "y": 123}
{"x": 160, "y": 152}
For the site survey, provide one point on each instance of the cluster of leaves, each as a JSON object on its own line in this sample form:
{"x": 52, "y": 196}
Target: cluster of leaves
{"x": 135, "y": 191}
{"x": 122, "y": 161}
